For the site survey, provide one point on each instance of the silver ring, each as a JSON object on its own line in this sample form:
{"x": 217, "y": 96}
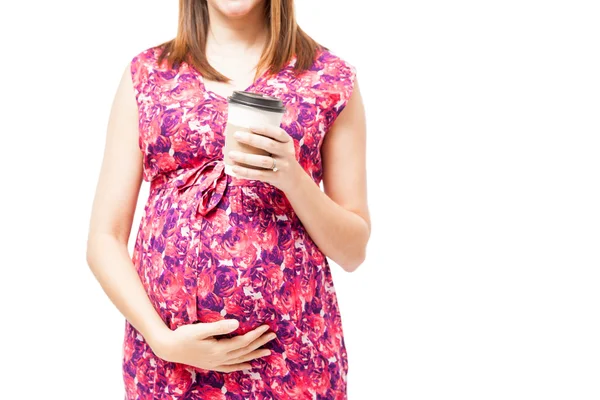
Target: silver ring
{"x": 274, "y": 166}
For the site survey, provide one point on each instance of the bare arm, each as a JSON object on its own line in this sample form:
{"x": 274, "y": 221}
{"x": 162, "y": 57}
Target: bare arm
{"x": 107, "y": 255}
{"x": 338, "y": 220}
{"x": 113, "y": 209}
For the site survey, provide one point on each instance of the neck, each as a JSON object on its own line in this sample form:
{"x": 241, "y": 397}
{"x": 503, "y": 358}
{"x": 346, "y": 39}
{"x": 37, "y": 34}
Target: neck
{"x": 234, "y": 34}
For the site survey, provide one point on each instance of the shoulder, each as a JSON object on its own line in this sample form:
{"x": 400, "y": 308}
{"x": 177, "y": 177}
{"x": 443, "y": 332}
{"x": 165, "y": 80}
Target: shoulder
{"x": 144, "y": 68}
{"x": 334, "y": 74}
{"x": 336, "y": 81}
{"x": 147, "y": 58}
{"x": 337, "y": 75}
{"x": 332, "y": 66}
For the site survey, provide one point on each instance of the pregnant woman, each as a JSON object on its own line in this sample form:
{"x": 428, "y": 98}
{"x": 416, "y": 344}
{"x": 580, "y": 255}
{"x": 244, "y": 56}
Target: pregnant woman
{"x": 228, "y": 293}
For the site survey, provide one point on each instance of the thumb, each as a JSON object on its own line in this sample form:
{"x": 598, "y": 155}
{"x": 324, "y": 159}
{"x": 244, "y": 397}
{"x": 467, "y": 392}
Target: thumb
{"x": 219, "y": 327}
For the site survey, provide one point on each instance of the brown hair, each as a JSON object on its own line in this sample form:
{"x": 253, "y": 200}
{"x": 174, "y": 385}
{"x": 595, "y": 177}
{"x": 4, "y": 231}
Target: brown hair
{"x": 285, "y": 39}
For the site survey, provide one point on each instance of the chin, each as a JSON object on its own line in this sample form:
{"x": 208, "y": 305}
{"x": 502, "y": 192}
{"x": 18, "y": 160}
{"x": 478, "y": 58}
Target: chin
{"x": 235, "y": 8}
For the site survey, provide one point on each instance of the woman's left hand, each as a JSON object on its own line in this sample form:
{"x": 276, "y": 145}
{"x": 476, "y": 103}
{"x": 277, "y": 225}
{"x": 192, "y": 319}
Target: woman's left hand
{"x": 280, "y": 145}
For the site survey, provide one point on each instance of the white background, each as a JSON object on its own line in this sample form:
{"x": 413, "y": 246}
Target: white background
{"x": 482, "y": 278}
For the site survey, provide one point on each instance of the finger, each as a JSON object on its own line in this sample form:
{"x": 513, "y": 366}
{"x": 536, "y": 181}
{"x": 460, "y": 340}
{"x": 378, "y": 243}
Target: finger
{"x": 252, "y": 159}
{"x": 250, "y": 356}
{"x": 252, "y": 346}
{"x": 237, "y": 342}
{"x": 232, "y": 368}
{"x": 252, "y": 173}
{"x": 216, "y": 328}
{"x": 260, "y": 142}
{"x": 272, "y": 131}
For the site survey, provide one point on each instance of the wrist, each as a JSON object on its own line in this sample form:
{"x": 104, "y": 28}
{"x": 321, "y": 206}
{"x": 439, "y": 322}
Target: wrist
{"x": 296, "y": 182}
{"x": 157, "y": 338}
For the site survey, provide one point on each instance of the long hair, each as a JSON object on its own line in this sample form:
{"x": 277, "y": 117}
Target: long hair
{"x": 284, "y": 41}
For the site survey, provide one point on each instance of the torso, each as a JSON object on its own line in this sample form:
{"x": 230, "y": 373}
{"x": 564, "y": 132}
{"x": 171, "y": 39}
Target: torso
{"x": 210, "y": 246}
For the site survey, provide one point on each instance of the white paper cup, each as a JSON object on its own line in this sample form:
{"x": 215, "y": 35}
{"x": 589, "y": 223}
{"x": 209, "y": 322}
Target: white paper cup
{"x": 247, "y": 109}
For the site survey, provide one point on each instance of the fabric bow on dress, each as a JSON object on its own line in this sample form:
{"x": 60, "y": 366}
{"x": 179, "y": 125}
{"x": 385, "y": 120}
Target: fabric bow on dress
{"x": 206, "y": 183}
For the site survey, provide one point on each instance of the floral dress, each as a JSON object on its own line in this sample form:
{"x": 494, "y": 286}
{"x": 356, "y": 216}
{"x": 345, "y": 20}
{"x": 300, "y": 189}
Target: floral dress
{"x": 211, "y": 246}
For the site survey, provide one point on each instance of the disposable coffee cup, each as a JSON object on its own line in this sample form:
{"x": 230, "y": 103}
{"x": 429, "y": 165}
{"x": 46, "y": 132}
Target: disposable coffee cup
{"x": 246, "y": 109}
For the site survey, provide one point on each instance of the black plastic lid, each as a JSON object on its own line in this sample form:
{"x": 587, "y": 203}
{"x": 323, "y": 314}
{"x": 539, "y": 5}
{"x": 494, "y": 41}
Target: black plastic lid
{"x": 257, "y": 100}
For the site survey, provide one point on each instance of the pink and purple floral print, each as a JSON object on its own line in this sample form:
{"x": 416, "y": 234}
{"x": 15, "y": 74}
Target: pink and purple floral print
{"x": 211, "y": 246}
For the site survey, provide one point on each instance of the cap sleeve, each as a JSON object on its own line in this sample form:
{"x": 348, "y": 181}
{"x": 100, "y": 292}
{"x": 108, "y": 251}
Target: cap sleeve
{"x": 141, "y": 69}
{"x": 340, "y": 91}
{"x": 139, "y": 74}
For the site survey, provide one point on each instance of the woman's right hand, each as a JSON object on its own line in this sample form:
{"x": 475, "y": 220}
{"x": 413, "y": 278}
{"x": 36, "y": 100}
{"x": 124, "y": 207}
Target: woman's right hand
{"x": 195, "y": 345}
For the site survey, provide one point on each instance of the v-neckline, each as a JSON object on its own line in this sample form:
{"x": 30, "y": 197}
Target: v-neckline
{"x": 260, "y": 78}
{"x": 220, "y": 96}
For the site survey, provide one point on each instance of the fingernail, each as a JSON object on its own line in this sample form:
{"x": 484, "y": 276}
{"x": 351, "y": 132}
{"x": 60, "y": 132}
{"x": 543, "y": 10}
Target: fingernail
{"x": 237, "y": 135}
{"x": 272, "y": 336}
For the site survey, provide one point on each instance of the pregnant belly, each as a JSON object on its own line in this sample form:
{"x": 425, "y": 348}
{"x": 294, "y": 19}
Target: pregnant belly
{"x": 246, "y": 272}
{"x": 245, "y": 261}
{"x": 235, "y": 263}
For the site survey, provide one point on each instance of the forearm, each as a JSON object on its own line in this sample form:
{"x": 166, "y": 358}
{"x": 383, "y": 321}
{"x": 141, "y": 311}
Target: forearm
{"x": 342, "y": 235}
{"x": 109, "y": 260}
